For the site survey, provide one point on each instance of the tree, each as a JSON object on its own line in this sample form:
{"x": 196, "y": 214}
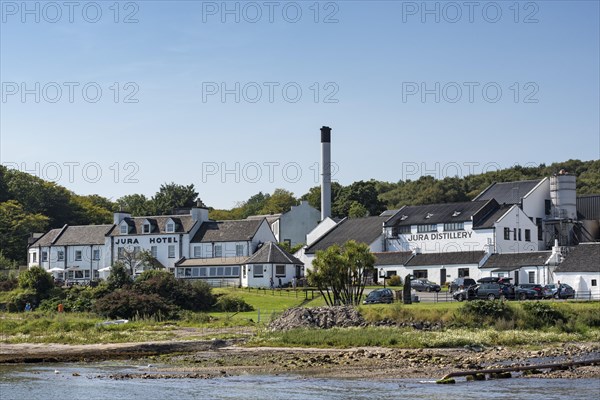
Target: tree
{"x": 357, "y": 210}
{"x": 340, "y": 272}
{"x": 36, "y": 278}
{"x": 364, "y": 193}
{"x": 136, "y": 204}
{"x": 15, "y": 226}
{"x": 280, "y": 201}
{"x": 171, "y": 196}
{"x": 119, "y": 276}
{"x": 138, "y": 260}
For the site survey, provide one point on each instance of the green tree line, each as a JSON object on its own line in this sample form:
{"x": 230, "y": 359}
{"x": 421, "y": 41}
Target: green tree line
{"x": 30, "y": 204}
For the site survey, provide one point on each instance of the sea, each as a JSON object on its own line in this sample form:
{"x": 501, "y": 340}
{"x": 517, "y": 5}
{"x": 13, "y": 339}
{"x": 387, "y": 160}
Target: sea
{"x": 91, "y": 381}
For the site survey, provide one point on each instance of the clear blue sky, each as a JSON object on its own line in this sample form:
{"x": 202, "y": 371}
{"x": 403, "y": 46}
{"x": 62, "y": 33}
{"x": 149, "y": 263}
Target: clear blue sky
{"x": 372, "y": 59}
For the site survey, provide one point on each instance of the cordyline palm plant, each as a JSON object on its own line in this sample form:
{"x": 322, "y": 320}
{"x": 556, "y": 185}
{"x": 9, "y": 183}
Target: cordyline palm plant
{"x": 340, "y": 272}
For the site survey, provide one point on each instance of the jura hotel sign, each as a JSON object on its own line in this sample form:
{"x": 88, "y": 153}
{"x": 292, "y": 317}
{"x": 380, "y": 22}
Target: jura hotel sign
{"x": 157, "y": 240}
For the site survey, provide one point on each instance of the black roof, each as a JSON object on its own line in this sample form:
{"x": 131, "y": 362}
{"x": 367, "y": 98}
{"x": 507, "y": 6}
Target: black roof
{"x": 583, "y": 258}
{"x": 392, "y": 257}
{"x": 436, "y": 213}
{"x": 512, "y": 261}
{"x": 508, "y": 192}
{"x": 489, "y": 220}
{"x": 363, "y": 230}
{"x": 453, "y": 258}
{"x": 183, "y": 224}
{"x": 272, "y": 253}
{"x": 83, "y": 235}
{"x": 227, "y": 231}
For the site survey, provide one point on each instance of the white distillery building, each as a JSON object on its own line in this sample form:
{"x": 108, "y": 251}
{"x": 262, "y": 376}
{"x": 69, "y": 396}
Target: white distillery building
{"x": 581, "y": 270}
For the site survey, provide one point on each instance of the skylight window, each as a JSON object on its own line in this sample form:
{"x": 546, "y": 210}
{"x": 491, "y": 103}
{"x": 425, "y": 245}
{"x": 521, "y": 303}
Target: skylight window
{"x": 403, "y": 217}
{"x": 429, "y": 215}
{"x": 456, "y": 213}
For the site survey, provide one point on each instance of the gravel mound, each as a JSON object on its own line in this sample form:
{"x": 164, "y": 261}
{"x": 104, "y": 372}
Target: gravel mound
{"x": 317, "y": 317}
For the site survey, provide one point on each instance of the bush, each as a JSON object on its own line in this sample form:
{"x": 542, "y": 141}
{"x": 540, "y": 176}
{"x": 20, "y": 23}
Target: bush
{"x": 128, "y": 304}
{"x": 36, "y": 279}
{"x": 487, "y": 311}
{"x": 539, "y": 315}
{"x": 195, "y": 296}
{"x": 119, "y": 276}
{"x": 232, "y": 304}
{"x": 17, "y": 300}
{"x": 395, "y": 281}
{"x": 8, "y": 283}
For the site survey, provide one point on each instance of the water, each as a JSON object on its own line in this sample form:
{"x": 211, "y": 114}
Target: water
{"x": 40, "y": 382}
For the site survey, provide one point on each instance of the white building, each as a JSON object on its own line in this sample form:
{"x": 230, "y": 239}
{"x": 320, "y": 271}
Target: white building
{"x": 293, "y": 226}
{"x": 529, "y": 267}
{"x": 73, "y": 253}
{"x": 581, "y": 270}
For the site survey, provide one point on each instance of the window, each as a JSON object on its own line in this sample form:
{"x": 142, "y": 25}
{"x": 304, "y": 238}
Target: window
{"x": 120, "y": 253}
{"x": 538, "y": 222}
{"x": 463, "y": 272}
{"x": 218, "y": 251}
{"x": 454, "y": 226}
{"x": 514, "y": 233}
{"x": 60, "y": 255}
{"x": 528, "y": 235}
{"x": 547, "y": 207}
{"x": 44, "y": 256}
{"x": 78, "y": 255}
{"x": 146, "y": 228}
{"x": 390, "y": 273}
{"x": 124, "y": 229}
{"x": 86, "y": 274}
{"x": 197, "y": 251}
{"x": 531, "y": 276}
{"x": 96, "y": 274}
{"x": 154, "y": 251}
{"x": 420, "y": 274}
{"x": 170, "y": 227}
{"x": 171, "y": 251}
{"x": 33, "y": 257}
{"x": 427, "y": 228}
{"x": 187, "y": 272}
{"x": 506, "y": 233}
{"x": 96, "y": 254}
{"x": 400, "y": 230}
{"x": 280, "y": 270}
{"x": 239, "y": 249}
{"x": 136, "y": 249}
{"x": 519, "y": 234}
{"x": 257, "y": 271}
{"x": 594, "y": 282}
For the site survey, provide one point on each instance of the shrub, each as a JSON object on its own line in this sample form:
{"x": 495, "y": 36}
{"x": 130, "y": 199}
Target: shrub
{"x": 538, "y": 315}
{"x": 37, "y": 279}
{"x": 128, "y": 304}
{"x": 119, "y": 276}
{"x": 17, "y": 300}
{"x": 232, "y": 304}
{"x": 195, "y": 296}
{"x": 8, "y": 283}
{"x": 487, "y": 311}
{"x": 395, "y": 281}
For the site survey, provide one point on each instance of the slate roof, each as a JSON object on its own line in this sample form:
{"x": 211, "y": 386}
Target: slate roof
{"x": 83, "y": 235}
{"x": 392, "y": 258}
{"x": 453, "y": 258}
{"x": 207, "y": 262}
{"x": 272, "y": 253}
{"x": 388, "y": 213}
{"x": 512, "y": 261}
{"x": 583, "y": 258}
{"x": 269, "y": 217}
{"x": 183, "y": 224}
{"x": 436, "y": 213}
{"x": 508, "y": 192}
{"x": 47, "y": 238}
{"x": 227, "y": 231}
{"x": 493, "y": 217}
{"x": 363, "y": 230}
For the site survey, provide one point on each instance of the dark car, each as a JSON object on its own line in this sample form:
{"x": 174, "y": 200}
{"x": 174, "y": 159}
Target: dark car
{"x": 539, "y": 289}
{"x": 494, "y": 291}
{"x": 565, "y": 292}
{"x": 461, "y": 283}
{"x": 421, "y": 285}
{"x": 467, "y": 293}
{"x": 379, "y": 296}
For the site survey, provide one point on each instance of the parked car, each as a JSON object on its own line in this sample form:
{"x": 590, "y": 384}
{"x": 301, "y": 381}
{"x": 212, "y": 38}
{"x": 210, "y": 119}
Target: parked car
{"x": 495, "y": 279}
{"x": 494, "y": 291}
{"x": 566, "y": 291}
{"x": 421, "y": 285}
{"x": 539, "y": 289}
{"x": 379, "y": 296}
{"x": 467, "y": 293}
{"x": 461, "y": 283}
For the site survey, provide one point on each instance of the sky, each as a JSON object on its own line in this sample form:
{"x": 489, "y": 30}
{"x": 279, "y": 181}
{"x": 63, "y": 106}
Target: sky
{"x": 116, "y": 98}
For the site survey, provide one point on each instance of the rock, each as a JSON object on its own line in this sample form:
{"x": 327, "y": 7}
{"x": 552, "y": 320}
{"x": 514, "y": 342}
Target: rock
{"x": 317, "y": 317}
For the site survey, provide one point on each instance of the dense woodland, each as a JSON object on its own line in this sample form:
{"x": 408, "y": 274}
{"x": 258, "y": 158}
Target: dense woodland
{"x": 30, "y": 204}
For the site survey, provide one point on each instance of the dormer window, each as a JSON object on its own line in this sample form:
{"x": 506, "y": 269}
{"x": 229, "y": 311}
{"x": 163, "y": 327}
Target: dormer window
{"x": 146, "y": 228}
{"x": 124, "y": 229}
{"x": 170, "y": 227}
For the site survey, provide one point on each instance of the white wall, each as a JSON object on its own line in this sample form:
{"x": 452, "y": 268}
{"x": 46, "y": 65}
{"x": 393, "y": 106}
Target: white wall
{"x": 515, "y": 218}
{"x": 248, "y": 279}
{"x": 145, "y": 242}
{"x": 295, "y": 224}
{"x": 534, "y": 204}
{"x": 580, "y": 281}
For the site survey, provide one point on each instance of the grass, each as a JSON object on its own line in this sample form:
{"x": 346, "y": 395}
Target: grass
{"x": 410, "y": 338}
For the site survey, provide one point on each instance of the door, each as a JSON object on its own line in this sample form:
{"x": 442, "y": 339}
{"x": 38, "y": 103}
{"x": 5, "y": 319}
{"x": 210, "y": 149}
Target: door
{"x": 516, "y": 277}
{"x": 442, "y": 276}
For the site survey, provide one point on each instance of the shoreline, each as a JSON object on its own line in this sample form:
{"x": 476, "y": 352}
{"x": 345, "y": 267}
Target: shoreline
{"x": 217, "y": 358}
